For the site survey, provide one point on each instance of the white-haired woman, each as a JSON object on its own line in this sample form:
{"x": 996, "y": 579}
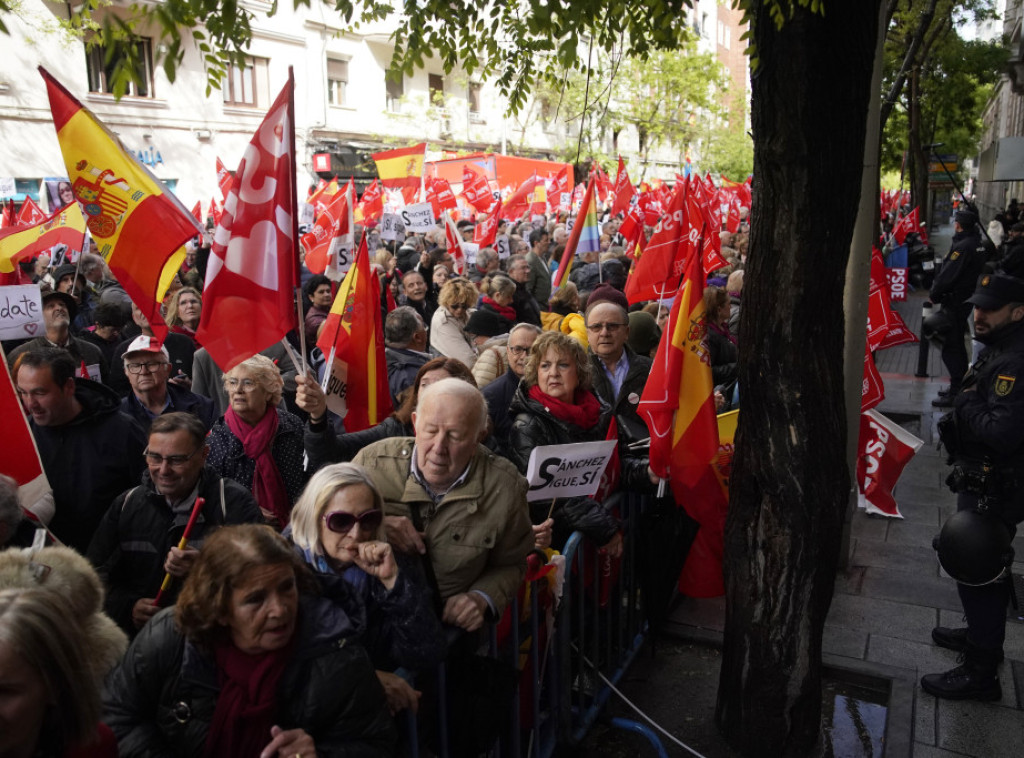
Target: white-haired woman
{"x": 338, "y": 525}
{"x": 257, "y": 442}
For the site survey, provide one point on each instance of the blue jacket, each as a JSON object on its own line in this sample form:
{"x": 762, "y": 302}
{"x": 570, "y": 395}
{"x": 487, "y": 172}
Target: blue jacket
{"x": 180, "y": 399}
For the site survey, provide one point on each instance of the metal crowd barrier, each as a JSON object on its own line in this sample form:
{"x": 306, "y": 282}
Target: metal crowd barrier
{"x": 598, "y": 628}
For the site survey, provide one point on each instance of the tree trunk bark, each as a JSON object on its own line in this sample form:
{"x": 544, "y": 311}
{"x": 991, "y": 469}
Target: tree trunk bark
{"x": 790, "y": 480}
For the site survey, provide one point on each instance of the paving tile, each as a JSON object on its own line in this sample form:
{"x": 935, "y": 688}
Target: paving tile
{"x": 881, "y": 555}
{"x": 867, "y": 614}
{"x": 910, "y": 587}
{"x": 911, "y": 533}
{"x": 870, "y": 527}
{"x": 980, "y": 729}
{"x": 924, "y": 721}
{"x": 838, "y": 639}
{"x": 922, "y": 750}
{"x": 917, "y": 655}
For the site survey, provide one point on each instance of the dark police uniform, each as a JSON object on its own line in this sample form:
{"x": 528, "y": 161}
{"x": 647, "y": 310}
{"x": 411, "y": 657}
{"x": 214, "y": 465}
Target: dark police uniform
{"x": 986, "y": 445}
{"x": 953, "y": 285}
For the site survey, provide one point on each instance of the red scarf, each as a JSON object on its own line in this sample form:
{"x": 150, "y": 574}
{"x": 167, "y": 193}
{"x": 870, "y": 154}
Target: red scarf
{"x": 257, "y": 442}
{"x": 503, "y": 310}
{"x": 584, "y": 411}
{"x": 247, "y": 703}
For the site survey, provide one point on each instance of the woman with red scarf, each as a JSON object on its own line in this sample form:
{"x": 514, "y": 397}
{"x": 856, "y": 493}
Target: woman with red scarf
{"x": 554, "y": 405}
{"x": 258, "y": 443}
{"x": 251, "y": 661}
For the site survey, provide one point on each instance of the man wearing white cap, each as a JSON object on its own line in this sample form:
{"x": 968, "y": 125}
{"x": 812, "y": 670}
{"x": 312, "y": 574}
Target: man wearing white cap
{"x": 147, "y": 365}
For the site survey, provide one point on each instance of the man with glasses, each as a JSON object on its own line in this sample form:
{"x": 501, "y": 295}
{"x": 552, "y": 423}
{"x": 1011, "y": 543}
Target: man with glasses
{"x": 500, "y": 392}
{"x": 148, "y": 367}
{"x": 619, "y": 373}
{"x": 136, "y": 543}
{"x": 90, "y": 450}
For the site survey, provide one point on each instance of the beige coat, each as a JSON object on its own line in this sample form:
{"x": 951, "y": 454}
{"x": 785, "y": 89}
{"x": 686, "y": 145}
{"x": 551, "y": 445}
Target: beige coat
{"x": 480, "y": 534}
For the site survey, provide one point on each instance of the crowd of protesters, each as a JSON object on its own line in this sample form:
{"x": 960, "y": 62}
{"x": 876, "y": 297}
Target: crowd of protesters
{"x": 324, "y": 564}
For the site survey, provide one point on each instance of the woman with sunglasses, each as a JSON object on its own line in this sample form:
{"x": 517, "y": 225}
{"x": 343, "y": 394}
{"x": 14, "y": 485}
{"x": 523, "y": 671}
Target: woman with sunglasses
{"x": 337, "y": 525}
{"x": 448, "y": 326}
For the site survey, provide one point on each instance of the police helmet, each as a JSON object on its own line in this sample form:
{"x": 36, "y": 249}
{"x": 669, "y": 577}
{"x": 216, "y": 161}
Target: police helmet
{"x": 974, "y": 547}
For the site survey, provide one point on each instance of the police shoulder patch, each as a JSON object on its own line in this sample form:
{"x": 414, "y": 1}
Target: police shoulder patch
{"x": 954, "y": 255}
{"x": 1004, "y": 384}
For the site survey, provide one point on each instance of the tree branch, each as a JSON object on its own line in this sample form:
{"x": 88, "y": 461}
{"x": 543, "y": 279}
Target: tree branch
{"x": 916, "y": 41}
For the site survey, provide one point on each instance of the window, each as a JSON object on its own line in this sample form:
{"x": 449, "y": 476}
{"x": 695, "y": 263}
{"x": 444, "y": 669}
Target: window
{"x": 337, "y": 81}
{"x": 103, "y": 76}
{"x": 248, "y": 86}
{"x": 395, "y": 84}
{"x": 474, "y": 97}
{"x": 436, "y": 83}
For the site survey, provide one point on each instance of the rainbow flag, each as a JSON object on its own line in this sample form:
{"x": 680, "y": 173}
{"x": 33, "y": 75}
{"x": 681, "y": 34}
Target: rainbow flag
{"x": 585, "y": 237}
{"x": 402, "y": 167}
{"x": 137, "y": 224}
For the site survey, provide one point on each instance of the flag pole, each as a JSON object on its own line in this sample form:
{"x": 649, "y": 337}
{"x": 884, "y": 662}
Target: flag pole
{"x": 293, "y": 201}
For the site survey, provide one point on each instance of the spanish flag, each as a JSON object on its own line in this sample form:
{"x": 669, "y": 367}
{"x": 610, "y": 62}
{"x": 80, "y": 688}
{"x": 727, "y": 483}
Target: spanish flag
{"x": 402, "y": 167}
{"x": 678, "y": 401}
{"x": 353, "y": 335}
{"x": 135, "y": 221}
{"x": 65, "y": 226}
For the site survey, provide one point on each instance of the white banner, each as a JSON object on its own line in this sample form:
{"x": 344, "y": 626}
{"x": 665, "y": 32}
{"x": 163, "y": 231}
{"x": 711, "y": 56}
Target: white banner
{"x": 418, "y": 217}
{"x": 567, "y": 470}
{"x": 335, "y": 386}
{"x": 21, "y": 312}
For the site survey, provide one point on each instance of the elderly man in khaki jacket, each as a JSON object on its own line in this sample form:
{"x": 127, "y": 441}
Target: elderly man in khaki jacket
{"x": 449, "y": 497}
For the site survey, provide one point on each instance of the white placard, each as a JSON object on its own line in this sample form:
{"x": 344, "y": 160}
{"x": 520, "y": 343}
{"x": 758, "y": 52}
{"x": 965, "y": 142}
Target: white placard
{"x": 567, "y": 470}
{"x": 502, "y": 246}
{"x": 306, "y": 213}
{"x": 418, "y": 217}
{"x": 389, "y": 226}
{"x": 21, "y": 312}
{"x": 470, "y": 249}
{"x": 335, "y": 386}
{"x": 7, "y": 187}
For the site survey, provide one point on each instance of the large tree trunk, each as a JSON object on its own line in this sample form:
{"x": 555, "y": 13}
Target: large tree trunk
{"x": 790, "y": 479}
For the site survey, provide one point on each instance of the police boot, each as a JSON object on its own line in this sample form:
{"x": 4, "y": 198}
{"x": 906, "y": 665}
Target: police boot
{"x": 974, "y": 679}
{"x": 955, "y": 639}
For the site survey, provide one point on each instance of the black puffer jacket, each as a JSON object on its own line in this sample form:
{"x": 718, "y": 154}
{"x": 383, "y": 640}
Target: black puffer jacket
{"x": 534, "y": 427}
{"x": 161, "y": 699}
{"x": 134, "y": 537}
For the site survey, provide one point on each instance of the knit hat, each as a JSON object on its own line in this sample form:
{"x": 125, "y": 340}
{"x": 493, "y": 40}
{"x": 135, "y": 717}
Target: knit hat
{"x": 607, "y": 293}
{"x": 487, "y": 323}
{"x": 644, "y": 332}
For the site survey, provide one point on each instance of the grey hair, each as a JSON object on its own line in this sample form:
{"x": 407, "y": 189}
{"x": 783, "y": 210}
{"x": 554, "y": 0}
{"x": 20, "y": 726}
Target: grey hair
{"x": 11, "y": 513}
{"x": 401, "y": 326}
{"x": 265, "y": 373}
{"x": 465, "y": 392}
{"x": 532, "y": 328}
{"x": 313, "y": 502}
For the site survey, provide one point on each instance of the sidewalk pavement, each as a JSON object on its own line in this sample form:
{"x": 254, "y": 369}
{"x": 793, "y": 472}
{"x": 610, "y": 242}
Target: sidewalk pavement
{"x": 884, "y": 607}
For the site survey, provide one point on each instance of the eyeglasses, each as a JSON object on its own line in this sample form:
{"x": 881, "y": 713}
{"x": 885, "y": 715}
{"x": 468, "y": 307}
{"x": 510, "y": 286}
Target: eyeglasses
{"x": 174, "y": 461}
{"x": 459, "y": 307}
{"x": 246, "y": 385}
{"x": 609, "y": 326}
{"x": 341, "y": 522}
{"x": 517, "y": 350}
{"x": 138, "y": 368}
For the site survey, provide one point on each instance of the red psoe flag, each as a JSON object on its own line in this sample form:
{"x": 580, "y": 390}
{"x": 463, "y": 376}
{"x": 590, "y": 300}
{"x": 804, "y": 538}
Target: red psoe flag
{"x": 486, "y": 231}
{"x": 197, "y": 212}
{"x": 678, "y": 401}
{"x": 658, "y": 271}
{"x": 331, "y": 229}
{"x": 17, "y": 445}
{"x": 224, "y": 179}
{"x": 357, "y": 388}
{"x": 30, "y": 213}
{"x": 215, "y": 211}
{"x": 454, "y": 240}
{"x": 7, "y": 215}
{"x": 624, "y": 191}
{"x": 371, "y": 205}
{"x": 136, "y": 223}
{"x": 477, "y": 190}
{"x": 252, "y": 272}
{"x": 520, "y": 201}
{"x": 558, "y": 191}
{"x": 439, "y": 195}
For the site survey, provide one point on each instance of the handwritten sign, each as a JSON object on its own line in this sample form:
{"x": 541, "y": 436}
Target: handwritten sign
{"x": 418, "y": 217}
{"x": 21, "y": 312}
{"x": 567, "y": 470}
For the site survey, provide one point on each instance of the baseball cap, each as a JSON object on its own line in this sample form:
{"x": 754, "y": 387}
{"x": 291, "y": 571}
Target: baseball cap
{"x": 145, "y": 344}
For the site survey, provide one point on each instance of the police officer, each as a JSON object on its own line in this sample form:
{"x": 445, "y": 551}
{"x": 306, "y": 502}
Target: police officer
{"x": 986, "y": 445}
{"x": 953, "y": 284}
